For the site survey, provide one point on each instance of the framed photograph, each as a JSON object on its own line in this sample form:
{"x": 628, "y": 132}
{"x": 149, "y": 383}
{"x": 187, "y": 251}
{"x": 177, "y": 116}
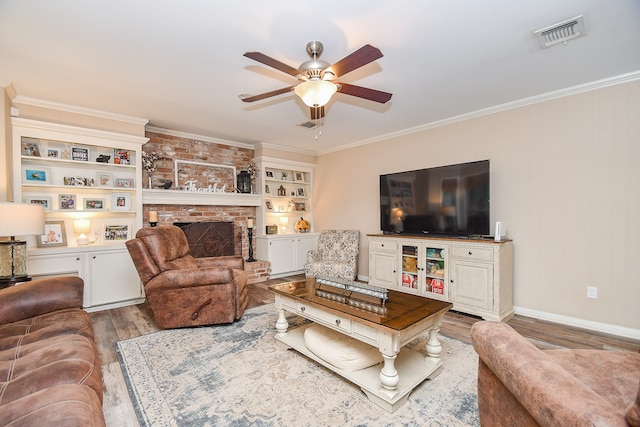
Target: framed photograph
{"x": 40, "y": 200}
{"x": 124, "y": 182}
{"x": 94, "y": 205}
{"x": 67, "y": 202}
{"x": 121, "y": 157}
{"x": 298, "y": 176}
{"x": 121, "y": 202}
{"x": 115, "y": 233}
{"x": 104, "y": 179}
{"x": 30, "y": 149}
{"x": 54, "y": 235}
{"x": 269, "y": 174}
{"x": 267, "y": 189}
{"x": 80, "y": 153}
{"x": 39, "y": 176}
{"x": 300, "y": 207}
{"x": 301, "y": 192}
{"x": 269, "y": 205}
{"x": 53, "y": 153}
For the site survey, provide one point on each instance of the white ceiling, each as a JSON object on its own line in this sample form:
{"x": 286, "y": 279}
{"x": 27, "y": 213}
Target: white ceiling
{"x": 179, "y": 63}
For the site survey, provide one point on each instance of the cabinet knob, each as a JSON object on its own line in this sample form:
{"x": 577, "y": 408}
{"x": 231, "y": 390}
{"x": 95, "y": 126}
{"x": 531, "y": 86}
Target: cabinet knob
{"x": 77, "y": 258}
{"x": 382, "y": 245}
{"x": 470, "y": 253}
{"x": 302, "y": 309}
{"x": 94, "y": 257}
{"x": 337, "y": 322}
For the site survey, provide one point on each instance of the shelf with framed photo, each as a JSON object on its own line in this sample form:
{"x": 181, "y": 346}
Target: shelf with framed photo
{"x": 72, "y": 172}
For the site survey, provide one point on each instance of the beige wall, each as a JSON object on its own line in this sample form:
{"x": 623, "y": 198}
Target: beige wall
{"x": 565, "y": 179}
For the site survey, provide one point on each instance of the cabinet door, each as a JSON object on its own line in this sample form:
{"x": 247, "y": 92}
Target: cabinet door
{"x": 55, "y": 265}
{"x": 304, "y": 245}
{"x": 435, "y": 283}
{"x": 410, "y": 268}
{"x": 113, "y": 277}
{"x": 382, "y": 269}
{"x": 472, "y": 284}
{"x": 282, "y": 255}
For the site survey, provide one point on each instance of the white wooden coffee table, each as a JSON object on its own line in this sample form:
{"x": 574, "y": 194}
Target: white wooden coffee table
{"x": 404, "y": 318}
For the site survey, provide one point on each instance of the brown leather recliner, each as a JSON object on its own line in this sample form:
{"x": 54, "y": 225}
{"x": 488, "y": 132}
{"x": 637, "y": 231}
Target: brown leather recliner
{"x": 182, "y": 290}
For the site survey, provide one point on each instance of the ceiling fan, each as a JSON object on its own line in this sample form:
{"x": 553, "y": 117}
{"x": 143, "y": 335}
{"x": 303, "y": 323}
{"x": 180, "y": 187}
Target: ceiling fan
{"x": 317, "y": 78}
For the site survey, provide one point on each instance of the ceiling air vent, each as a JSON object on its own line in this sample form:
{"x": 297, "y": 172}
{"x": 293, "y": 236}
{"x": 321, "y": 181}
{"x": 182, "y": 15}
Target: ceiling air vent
{"x": 308, "y": 125}
{"x": 561, "y": 32}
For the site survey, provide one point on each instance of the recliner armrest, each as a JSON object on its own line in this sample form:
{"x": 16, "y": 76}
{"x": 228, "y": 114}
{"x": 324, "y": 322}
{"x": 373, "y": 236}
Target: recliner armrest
{"x": 547, "y": 391}
{"x": 172, "y": 279}
{"x": 40, "y": 296}
{"x": 232, "y": 261}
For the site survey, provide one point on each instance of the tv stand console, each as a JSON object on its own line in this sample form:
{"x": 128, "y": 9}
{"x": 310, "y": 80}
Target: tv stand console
{"x": 475, "y": 275}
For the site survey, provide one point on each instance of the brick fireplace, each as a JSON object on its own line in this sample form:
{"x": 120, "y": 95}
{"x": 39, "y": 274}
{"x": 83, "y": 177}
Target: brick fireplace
{"x": 181, "y": 206}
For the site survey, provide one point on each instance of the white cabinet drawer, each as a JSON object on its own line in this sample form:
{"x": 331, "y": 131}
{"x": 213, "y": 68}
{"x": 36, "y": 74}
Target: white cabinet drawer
{"x": 472, "y": 253}
{"x": 383, "y": 245}
{"x": 328, "y": 319}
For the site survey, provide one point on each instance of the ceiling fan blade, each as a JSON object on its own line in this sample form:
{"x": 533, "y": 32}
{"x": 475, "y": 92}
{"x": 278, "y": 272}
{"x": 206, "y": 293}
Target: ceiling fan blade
{"x": 317, "y": 113}
{"x": 267, "y": 60}
{"x": 357, "y": 59}
{"x": 365, "y": 93}
{"x": 252, "y": 98}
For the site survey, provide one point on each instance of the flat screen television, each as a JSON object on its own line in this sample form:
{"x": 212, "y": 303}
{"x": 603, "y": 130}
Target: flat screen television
{"x": 448, "y": 200}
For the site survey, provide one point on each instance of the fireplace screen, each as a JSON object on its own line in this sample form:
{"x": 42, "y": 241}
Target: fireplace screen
{"x": 209, "y": 239}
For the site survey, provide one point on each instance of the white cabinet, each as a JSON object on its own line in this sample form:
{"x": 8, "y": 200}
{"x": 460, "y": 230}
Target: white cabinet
{"x": 110, "y": 279}
{"x": 82, "y": 174}
{"x": 286, "y": 253}
{"x": 475, "y": 275}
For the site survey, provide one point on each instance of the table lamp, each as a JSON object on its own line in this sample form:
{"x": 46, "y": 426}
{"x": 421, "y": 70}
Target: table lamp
{"x": 82, "y": 226}
{"x": 284, "y": 221}
{"x": 17, "y": 219}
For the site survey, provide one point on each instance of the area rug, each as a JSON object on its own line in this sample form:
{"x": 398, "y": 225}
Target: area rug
{"x": 235, "y": 375}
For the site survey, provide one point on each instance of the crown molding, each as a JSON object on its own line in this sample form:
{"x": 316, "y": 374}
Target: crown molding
{"x": 35, "y": 102}
{"x": 288, "y": 149}
{"x": 573, "y": 90}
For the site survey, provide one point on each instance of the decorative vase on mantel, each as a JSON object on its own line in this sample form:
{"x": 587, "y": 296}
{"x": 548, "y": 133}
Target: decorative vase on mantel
{"x": 149, "y": 181}
{"x": 244, "y": 182}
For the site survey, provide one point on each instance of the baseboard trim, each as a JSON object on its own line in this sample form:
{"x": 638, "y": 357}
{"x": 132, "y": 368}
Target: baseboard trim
{"x": 606, "y": 328}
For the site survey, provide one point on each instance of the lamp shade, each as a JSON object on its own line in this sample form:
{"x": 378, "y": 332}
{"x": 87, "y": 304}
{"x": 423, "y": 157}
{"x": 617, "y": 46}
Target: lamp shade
{"x": 316, "y": 93}
{"x": 21, "y": 219}
{"x": 81, "y": 226}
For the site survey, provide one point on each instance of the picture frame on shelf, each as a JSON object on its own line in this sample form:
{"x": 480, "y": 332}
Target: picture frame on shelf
{"x": 30, "y": 148}
{"x": 37, "y": 176}
{"x": 80, "y": 154}
{"x": 67, "y": 202}
{"x": 54, "y": 235}
{"x": 121, "y": 157}
{"x": 121, "y": 202}
{"x": 124, "y": 183}
{"x": 115, "y": 233}
{"x": 298, "y": 176}
{"x": 39, "y": 200}
{"x": 104, "y": 179}
{"x": 53, "y": 153}
{"x": 268, "y": 205}
{"x": 268, "y": 174}
{"x": 300, "y": 207}
{"x": 267, "y": 189}
{"x": 91, "y": 204}
{"x": 301, "y": 192}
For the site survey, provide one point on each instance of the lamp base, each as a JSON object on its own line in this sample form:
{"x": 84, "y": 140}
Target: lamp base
{"x": 5, "y": 282}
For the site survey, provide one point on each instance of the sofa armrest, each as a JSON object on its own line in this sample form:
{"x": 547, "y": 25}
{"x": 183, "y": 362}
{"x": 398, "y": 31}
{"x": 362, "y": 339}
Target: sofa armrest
{"x": 175, "y": 279}
{"x": 549, "y": 393}
{"x": 232, "y": 261}
{"x": 30, "y": 299}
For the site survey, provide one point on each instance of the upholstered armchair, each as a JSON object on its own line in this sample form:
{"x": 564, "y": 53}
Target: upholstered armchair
{"x": 336, "y": 255}
{"x": 182, "y": 290}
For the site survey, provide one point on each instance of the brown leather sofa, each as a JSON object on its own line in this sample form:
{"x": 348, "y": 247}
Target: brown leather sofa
{"x": 521, "y": 385}
{"x": 49, "y": 366}
{"x": 182, "y": 290}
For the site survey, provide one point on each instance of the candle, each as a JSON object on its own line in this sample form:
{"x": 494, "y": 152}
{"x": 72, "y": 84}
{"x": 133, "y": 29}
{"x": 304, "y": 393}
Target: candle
{"x": 250, "y": 223}
{"x": 153, "y": 216}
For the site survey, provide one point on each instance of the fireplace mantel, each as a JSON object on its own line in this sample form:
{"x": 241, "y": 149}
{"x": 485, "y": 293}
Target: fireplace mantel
{"x": 178, "y": 197}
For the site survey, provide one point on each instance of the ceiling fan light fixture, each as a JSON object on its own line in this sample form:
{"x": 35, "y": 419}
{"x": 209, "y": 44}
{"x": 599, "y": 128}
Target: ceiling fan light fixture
{"x": 316, "y": 93}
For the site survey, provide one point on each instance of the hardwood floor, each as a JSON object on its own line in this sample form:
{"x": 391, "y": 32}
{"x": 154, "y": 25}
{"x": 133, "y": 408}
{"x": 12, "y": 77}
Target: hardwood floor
{"x": 132, "y": 321}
